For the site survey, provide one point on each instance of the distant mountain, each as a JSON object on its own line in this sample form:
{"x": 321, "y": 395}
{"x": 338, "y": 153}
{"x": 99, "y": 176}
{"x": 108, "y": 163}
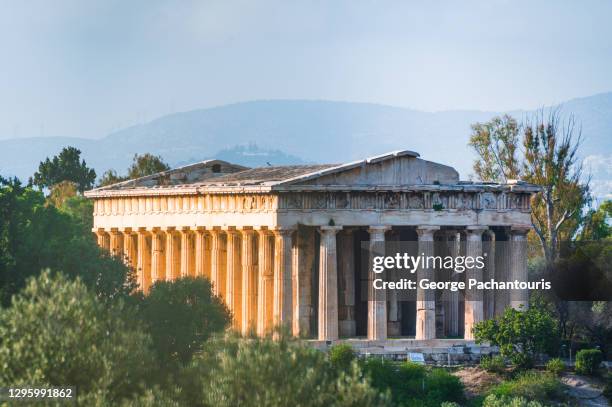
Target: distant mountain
{"x": 293, "y": 131}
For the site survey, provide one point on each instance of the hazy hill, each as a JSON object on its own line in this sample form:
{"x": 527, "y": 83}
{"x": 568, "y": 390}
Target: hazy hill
{"x": 291, "y": 131}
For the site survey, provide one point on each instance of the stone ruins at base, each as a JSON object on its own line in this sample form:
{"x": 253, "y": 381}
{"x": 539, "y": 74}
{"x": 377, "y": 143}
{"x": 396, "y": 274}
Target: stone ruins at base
{"x": 283, "y": 245}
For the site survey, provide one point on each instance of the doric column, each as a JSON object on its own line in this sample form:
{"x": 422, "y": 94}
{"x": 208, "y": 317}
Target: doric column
{"x": 234, "y": 277}
{"x": 328, "y": 284}
{"x": 519, "y": 299}
{"x": 187, "y": 264}
{"x": 347, "y": 326}
{"x": 201, "y": 258}
{"x": 218, "y": 261}
{"x": 265, "y": 288}
{"x": 489, "y": 295}
{"x": 144, "y": 260}
{"x": 103, "y": 239}
{"x": 452, "y": 303}
{"x": 426, "y": 299}
{"x": 283, "y": 297}
{"x": 303, "y": 264}
{"x": 158, "y": 255}
{"x": 249, "y": 281}
{"x": 116, "y": 242}
{"x": 474, "y": 312}
{"x": 172, "y": 254}
{"x": 129, "y": 247}
{"x": 393, "y": 321}
{"x": 377, "y": 299}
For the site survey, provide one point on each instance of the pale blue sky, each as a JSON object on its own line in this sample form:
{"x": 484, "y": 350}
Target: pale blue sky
{"x": 85, "y": 68}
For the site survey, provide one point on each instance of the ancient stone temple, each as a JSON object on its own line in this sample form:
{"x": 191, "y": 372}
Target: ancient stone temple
{"x": 284, "y": 245}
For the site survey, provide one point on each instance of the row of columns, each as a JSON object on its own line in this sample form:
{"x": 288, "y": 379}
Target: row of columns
{"x": 261, "y": 275}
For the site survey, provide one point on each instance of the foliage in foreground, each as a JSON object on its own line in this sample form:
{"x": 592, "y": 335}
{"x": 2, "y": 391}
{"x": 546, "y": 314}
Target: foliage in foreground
{"x": 264, "y": 372}
{"x": 530, "y": 385}
{"x": 504, "y": 401}
{"x": 181, "y": 315}
{"x": 588, "y": 361}
{"x": 411, "y": 384}
{"x": 520, "y": 335}
{"x": 57, "y": 333}
{"x": 555, "y": 366}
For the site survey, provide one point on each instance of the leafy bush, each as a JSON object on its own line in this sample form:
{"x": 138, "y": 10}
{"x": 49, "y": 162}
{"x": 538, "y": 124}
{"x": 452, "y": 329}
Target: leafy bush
{"x": 57, "y": 333}
{"x": 503, "y": 401}
{"x": 181, "y": 315}
{"x": 342, "y": 356}
{"x": 413, "y": 384}
{"x": 532, "y": 386}
{"x": 269, "y": 373}
{"x": 520, "y": 335}
{"x": 588, "y": 361}
{"x": 493, "y": 363}
{"x": 555, "y": 366}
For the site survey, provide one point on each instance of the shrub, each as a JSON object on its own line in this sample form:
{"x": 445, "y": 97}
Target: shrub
{"x": 342, "y": 356}
{"x": 532, "y": 386}
{"x": 413, "y": 384}
{"x": 495, "y": 401}
{"x": 181, "y": 315}
{"x": 493, "y": 363}
{"x": 607, "y": 390}
{"x": 555, "y": 366}
{"x": 57, "y": 332}
{"x": 588, "y": 361}
{"x": 264, "y": 372}
{"x": 520, "y": 335}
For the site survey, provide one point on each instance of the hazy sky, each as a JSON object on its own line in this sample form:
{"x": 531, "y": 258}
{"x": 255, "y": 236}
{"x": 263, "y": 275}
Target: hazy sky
{"x": 85, "y": 68}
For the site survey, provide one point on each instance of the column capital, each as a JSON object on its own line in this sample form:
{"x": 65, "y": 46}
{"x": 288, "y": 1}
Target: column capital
{"x": 126, "y": 230}
{"x": 98, "y": 230}
{"x": 475, "y": 231}
{"x": 519, "y": 230}
{"x": 142, "y": 229}
{"x": 169, "y": 228}
{"x": 330, "y": 229}
{"x": 425, "y": 232}
{"x": 154, "y": 229}
{"x": 283, "y": 231}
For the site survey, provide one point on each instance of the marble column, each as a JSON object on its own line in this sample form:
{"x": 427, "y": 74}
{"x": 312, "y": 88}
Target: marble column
{"x": 426, "y": 299}
{"x": 200, "y": 253}
{"x": 172, "y": 254}
{"x": 489, "y": 253}
{"x": 303, "y": 265}
{"x": 474, "y": 310}
{"x": 129, "y": 247}
{"x": 265, "y": 284}
{"x": 519, "y": 299}
{"x": 218, "y": 261}
{"x": 249, "y": 281}
{"x": 103, "y": 239}
{"x": 452, "y": 303}
{"x": 393, "y": 317}
{"x": 377, "y": 299}
{"x": 328, "y": 284}
{"x": 144, "y": 260}
{"x": 158, "y": 255}
{"x": 233, "y": 282}
{"x": 283, "y": 287}
{"x": 116, "y": 243}
{"x": 502, "y": 270}
{"x": 347, "y": 326}
{"x": 187, "y": 263}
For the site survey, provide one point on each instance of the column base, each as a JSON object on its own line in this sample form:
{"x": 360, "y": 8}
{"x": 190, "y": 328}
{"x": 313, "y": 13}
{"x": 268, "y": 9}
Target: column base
{"x": 394, "y": 328}
{"x": 347, "y": 328}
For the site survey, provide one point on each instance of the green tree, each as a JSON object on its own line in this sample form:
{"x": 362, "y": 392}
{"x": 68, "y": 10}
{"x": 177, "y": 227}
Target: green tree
{"x": 66, "y": 166}
{"x": 549, "y": 160}
{"x": 110, "y": 177}
{"x": 520, "y": 335}
{"x": 35, "y": 235}
{"x": 270, "y": 373}
{"x": 495, "y": 142}
{"x": 146, "y": 164}
{"x": 597, "y": 223}
{"x": 57, "y": 333}
{"x": 181, "y": 315}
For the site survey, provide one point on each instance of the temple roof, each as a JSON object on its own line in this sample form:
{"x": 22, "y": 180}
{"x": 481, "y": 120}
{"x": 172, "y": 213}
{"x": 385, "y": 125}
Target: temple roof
{"x": 395, "y": 170}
